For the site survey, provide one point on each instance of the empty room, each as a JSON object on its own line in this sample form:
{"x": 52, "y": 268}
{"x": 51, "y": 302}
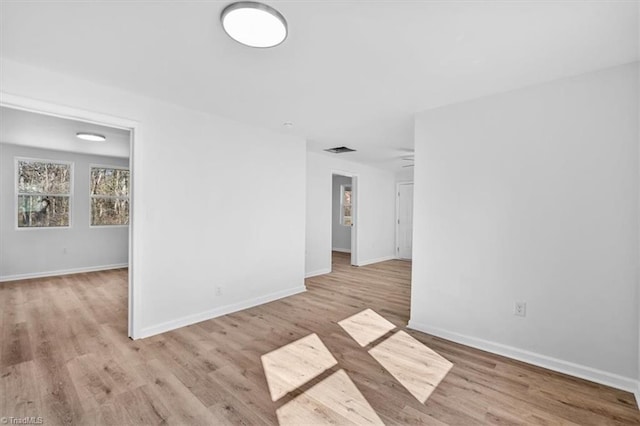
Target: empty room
{"x": 308, "y": 213}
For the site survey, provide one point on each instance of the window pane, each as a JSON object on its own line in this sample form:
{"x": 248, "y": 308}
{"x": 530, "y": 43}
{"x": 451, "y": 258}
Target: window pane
{"x": 347, "y": 211}
{"x": 109, "y": 211}
{"x": 347, "y": 221}
{"x": 347, "y": 198}
{"x": 44, "y": 177}
{"x": 106, "y": 181}
{"x": 41, "y": 211}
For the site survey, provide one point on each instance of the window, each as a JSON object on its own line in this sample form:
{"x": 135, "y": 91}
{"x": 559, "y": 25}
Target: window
{"x": 109, "y": 196}
{"x": 43, "y": 191}
{"x": 345, "y": 205}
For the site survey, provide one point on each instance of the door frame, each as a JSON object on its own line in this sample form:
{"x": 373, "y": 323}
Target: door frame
{"x": 355, "y": 203}
{"x": 398, "y": 184}
{"x": 48, "y": 108}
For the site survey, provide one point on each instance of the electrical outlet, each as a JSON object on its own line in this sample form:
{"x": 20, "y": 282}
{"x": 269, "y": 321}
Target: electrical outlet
{"x": 218, "y": 291}
{"x": 520, "y": 309}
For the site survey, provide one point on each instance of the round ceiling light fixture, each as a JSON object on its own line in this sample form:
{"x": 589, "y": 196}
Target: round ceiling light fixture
{"x": 254, "y": 24}
{"x": 93, "y": 137}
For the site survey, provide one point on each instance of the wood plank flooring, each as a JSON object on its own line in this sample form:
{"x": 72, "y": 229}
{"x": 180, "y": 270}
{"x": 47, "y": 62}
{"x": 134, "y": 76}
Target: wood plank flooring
{"x": 325, "y": 356}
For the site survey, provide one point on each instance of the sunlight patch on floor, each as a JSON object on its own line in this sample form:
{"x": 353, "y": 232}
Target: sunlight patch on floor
{"x": 293, "y": 365}
{"x": 413, "y": 364}
{"x": 334, "y": 400}
{"x": 366, "y": 327}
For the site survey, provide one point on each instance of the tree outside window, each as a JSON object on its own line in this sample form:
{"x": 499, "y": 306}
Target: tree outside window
{"x": 109, "y": 196}
{"x": 44, "y": 193}
{"x": 345, "y": 207}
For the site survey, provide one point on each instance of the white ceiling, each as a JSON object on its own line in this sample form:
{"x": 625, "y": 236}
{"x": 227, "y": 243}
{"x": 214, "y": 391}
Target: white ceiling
{"x": 44, "y": 131}
{"x": 350, "y": 72}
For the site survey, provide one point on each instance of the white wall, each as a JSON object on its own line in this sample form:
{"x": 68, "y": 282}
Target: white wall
{"x": 405, "y": 175}
{"x": 375, "y": 212}
{"x": 33, "y": 252}
{"x": 532, "y": 195}
{"x": 246, "y": 235}
{"x": 340, "y": 234}
{"x": 637, "y": 392}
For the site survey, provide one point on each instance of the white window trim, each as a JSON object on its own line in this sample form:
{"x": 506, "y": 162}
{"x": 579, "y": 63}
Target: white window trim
{"x": 106, "y": 166}
{"x": 343, "y": 188}
{"x": 17, "y": 193}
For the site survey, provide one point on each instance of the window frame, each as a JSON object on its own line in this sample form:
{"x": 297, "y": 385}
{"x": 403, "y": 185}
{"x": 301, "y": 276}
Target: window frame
{"x": 91, "y": 196}
{"x": 344, "y": 188}
{"x": 17, "y": 193}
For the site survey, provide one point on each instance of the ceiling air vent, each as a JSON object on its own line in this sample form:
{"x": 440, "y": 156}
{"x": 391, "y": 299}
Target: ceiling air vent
{"x": 339, "y": 149}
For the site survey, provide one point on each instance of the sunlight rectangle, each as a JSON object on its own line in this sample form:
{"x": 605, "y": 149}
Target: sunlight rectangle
{"x": 335, "y": 400}
{"x": 293, "y": 365}
{"x": 366, "y": 326}
{"x": 413, "y": 364}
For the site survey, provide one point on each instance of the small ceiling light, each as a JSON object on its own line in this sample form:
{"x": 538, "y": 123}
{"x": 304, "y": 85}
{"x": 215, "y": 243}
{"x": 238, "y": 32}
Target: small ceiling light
{"x": 287, "y": 124}
{"x": 93, "y": 137}
{"x": 340, "y": 150}
{"x": 254, "y": 24}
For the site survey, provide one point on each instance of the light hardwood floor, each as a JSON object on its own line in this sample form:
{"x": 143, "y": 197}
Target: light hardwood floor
{"x": 338, "y": 353}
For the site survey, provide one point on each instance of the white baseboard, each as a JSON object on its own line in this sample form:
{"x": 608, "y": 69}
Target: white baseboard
{"x": 637, "y": 394}
{"x": 378, "y": 260}
{"x": 213, "y": 313}
{"x": 318, "y": 272}
{"x": 341, "y": 250}
{"x": 566, "y": 367}
{"x": 362, "y": 263}
{"x": 62, "y": 272}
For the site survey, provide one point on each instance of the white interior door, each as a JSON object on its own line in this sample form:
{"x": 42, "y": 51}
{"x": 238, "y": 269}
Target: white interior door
{"x": 405, "y": 220}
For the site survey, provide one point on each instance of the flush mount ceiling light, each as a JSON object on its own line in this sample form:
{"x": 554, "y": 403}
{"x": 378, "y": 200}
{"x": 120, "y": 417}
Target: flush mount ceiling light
{"x": 93, "y": 137}
{"x": 254, "y": 24}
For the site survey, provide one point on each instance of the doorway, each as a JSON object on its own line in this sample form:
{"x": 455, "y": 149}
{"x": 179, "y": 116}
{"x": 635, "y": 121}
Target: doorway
{"x": 101, "y": 210}
{"x": 404, "y": 220}
{"x": 343, "y": 216}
